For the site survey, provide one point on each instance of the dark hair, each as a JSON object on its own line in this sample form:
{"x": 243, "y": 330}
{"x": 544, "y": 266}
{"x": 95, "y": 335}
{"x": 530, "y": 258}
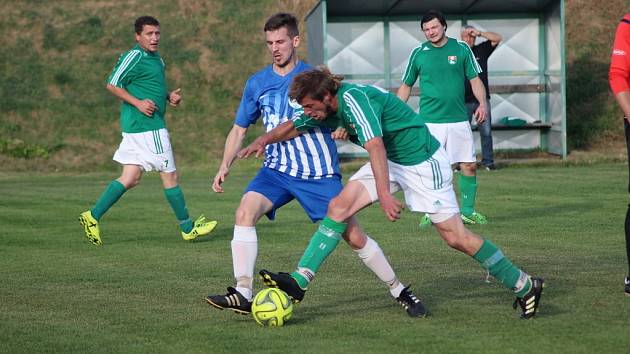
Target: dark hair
{"x": 432, "y": 14}
{"x": 280, "y": 20}
{"x": 315, "y": 83}
{"x": 144, "y": 21}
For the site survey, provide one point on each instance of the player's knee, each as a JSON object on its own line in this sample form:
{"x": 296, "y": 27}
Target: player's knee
{"x": 244, "y": 216}
{"x": 356, "y": 240}
{"x": 469, "y": 168}
{"x": 129, "y": 182}
{"x": 337, "y": 209}
{"x": 169, "y": 179}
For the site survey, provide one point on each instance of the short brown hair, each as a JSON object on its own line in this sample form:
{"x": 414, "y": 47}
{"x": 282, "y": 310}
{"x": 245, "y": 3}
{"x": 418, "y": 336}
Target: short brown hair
{"x": 280, "y": 20}
{"x": 315, "y": 83}
{"x": 145, "y": 21}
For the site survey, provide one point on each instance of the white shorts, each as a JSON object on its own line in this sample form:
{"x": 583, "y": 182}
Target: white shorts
{"x": 428, "y": 187}
{"x": 457, "y": 139}
{"x": 150, "y": 150}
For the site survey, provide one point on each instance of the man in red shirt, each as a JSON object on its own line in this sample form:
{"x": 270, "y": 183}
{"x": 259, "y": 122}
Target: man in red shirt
{"x": 619, "y": 77}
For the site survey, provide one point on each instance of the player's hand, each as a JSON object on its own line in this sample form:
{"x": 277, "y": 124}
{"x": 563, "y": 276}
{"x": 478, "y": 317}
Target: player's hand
{"x": 391, "y": 207}
{"x": 340, "y": 134}
{"x": 256, "y": 147}
{"x": 174, "y": 98}
{"x": 147, "y": 107}
{"x": 480, "y": 114}
{"x": 219, "y": 179}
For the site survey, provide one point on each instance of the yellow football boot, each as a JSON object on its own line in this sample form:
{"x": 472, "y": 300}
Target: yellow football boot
{"x": 90, "y": 225}
{"x": 200, "y": 227}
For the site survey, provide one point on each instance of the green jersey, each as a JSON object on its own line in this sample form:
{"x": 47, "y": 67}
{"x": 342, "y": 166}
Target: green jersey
{"x": 367, "y": 112}
{"x": 141, "y": 73}
{"x": 442, "y": 72}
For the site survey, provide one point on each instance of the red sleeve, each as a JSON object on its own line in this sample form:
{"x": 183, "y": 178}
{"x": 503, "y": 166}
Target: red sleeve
{"x": 619, "y": 74}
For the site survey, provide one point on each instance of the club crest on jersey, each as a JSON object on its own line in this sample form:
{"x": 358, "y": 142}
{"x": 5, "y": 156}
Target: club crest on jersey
{"x": 452, "y": 59}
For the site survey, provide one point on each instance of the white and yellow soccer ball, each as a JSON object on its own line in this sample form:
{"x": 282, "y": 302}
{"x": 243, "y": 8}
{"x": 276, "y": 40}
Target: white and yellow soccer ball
{"x": 272, "y": 307}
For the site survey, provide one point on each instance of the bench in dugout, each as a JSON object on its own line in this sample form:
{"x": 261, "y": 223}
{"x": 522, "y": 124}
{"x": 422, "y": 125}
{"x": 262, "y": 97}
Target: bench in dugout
{"x": 507, "y": 89}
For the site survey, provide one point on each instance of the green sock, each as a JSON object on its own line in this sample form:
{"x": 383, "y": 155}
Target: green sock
{"x": 468, "y": 193}
{"x": 110, "y": 196}
{"x": 175, "y": 198}
{"x": 322, "y": 244}
{"x": 500, "y": 267}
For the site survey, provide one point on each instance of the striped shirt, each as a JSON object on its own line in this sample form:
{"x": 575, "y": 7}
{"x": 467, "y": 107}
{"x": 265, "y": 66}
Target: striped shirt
{"x": 312, "y": 155}
{"x": 442, "y": 71}
{"x": 141, "y": 73}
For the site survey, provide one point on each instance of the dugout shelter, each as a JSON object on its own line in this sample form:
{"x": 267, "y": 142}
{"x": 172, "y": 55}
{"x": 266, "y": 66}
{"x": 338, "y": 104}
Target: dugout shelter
{"x": 369, "y": 42}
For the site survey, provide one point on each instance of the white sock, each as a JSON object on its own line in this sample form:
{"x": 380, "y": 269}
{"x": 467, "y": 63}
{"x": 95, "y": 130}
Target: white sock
{"x": 373, "y": 257}
{"x": 397, "y": 290}
{"x": 244, "y": 253}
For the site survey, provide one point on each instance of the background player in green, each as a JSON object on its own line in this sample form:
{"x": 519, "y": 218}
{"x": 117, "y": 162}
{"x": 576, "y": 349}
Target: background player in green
{"x": 139, "y": 81}
{"x": 442, "y": 63}
{"x": 403, "y": 156}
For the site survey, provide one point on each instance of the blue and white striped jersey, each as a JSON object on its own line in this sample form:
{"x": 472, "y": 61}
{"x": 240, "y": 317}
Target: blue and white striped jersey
{"x": 313, "y": 155}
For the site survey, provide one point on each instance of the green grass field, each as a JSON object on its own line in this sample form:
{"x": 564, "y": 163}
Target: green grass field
{"x": 143, "y": 291}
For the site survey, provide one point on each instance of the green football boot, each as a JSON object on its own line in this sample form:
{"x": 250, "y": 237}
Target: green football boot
{"x": 474, "y": 219}
{"x": 425, "y": 221}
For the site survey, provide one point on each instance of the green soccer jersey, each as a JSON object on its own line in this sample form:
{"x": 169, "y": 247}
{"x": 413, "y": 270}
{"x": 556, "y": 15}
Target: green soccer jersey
{"x": 367, "y": 112}
{"x": 442, "y": 72}
{"x": 141, "y": 73}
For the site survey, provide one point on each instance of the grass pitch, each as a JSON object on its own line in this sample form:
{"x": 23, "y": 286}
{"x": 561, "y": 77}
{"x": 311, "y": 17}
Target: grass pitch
{"x": 144, "y": 289}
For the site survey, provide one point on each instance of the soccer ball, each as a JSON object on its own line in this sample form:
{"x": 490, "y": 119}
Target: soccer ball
{"x": 272, "y": 307}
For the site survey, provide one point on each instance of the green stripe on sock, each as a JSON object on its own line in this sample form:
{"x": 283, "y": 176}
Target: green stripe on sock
{"x": 110, "y": 196}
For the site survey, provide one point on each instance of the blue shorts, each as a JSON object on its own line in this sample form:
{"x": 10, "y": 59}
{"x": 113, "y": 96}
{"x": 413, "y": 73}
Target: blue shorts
{"x": 280, "y": 188}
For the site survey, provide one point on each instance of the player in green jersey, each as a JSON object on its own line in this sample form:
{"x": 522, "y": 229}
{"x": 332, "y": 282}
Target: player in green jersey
{"x": 138, "y": 80}
{"x": 403, "y": 156}
{"x": 443, "y": 63}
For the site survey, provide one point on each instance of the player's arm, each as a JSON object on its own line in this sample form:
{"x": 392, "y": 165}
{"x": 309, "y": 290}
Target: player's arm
{"x": 378, "y": 159}
{"x": 365, "y": 116}
{"x": 493, "y": 37}
{"x": 340, "y": 134}
{"x": 233, "y": 143}
{"x": 412, "y": 71}
{"x": 623, "y": 98}
{"x": 404, "y": 91}
{"x": 480, "y": 94}
{"x": 282, "y": 132}
{"x": 146, "y": 106}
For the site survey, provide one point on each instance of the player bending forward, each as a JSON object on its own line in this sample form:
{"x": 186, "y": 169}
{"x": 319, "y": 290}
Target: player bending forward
{"x": 403, "y": 155}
